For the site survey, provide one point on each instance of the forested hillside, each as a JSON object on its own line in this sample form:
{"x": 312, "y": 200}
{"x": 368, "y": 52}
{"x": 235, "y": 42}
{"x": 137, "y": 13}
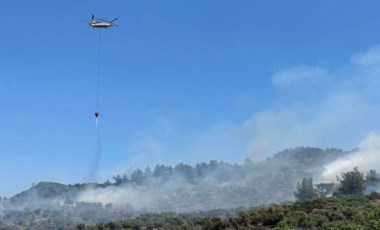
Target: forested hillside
{"x": 215, "y": 184}
{"x": 181, "y": 189}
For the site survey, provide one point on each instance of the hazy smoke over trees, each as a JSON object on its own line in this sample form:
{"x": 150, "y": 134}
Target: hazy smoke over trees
{"x": 215, "y": 184}
{"x": 366, "y": 157}
{"x": 183, "y": 188}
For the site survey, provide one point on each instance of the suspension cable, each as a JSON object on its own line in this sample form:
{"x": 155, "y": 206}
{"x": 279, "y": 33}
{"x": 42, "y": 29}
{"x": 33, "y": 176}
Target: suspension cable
{"x": 99, "y": 59}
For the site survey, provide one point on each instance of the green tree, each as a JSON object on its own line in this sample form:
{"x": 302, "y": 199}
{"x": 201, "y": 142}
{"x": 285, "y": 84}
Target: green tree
{"x": 137, "y": 176}
{"x": 305, "y": 190}
{"x": 148, "y": 172}
{"x": 163, "y": 171}
{"x": 118, "y": 179}
{"x": 185, "y": 170}
{"x": 325, "y": 189}
{"x": 351, "y": 182}
{"x": 372, "y": 177}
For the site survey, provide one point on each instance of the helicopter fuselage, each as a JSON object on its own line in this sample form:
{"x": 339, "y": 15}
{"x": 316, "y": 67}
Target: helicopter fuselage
{"x": 100, "y": 24}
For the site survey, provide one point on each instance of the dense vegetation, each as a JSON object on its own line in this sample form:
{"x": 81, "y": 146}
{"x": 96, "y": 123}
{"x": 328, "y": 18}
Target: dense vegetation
{"x": 211, "y": 195}
{"x": 347, "y": 209}
{"x": 338, "y": 212}
{"x": 288, "y": 161}
{"x": 186, "y": 188}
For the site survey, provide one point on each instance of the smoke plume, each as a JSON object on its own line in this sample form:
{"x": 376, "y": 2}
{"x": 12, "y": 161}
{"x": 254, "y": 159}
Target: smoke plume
{"x": 366, "y": 157}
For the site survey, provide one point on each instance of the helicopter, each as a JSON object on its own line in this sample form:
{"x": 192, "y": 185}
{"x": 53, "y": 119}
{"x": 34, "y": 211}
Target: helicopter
{"x": 100, "y": 23}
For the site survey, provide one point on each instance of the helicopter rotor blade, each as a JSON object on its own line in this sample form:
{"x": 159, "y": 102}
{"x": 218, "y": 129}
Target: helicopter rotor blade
{"x": 92, "y": 18}
{"x": 114, "y": 19}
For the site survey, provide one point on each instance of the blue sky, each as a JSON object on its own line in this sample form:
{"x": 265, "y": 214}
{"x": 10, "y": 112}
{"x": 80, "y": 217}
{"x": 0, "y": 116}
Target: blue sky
{"x": 181, "y": 81}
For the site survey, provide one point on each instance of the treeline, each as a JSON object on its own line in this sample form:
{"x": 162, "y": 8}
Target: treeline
{"x": 218, "y": 184}
{"x": 348, "y": 208}
{"x": 182, "y": 188}
{"x": 191, "y": 174}
{"x": 296, "y": 158}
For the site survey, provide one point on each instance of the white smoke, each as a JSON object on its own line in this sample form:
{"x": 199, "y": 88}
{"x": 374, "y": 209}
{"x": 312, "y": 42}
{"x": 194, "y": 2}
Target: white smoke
{"x": 155, "y": 195}
{"x": 317, "y": 106}
{"x": 311, "y": 106}
{"x": 367, "y": 157}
